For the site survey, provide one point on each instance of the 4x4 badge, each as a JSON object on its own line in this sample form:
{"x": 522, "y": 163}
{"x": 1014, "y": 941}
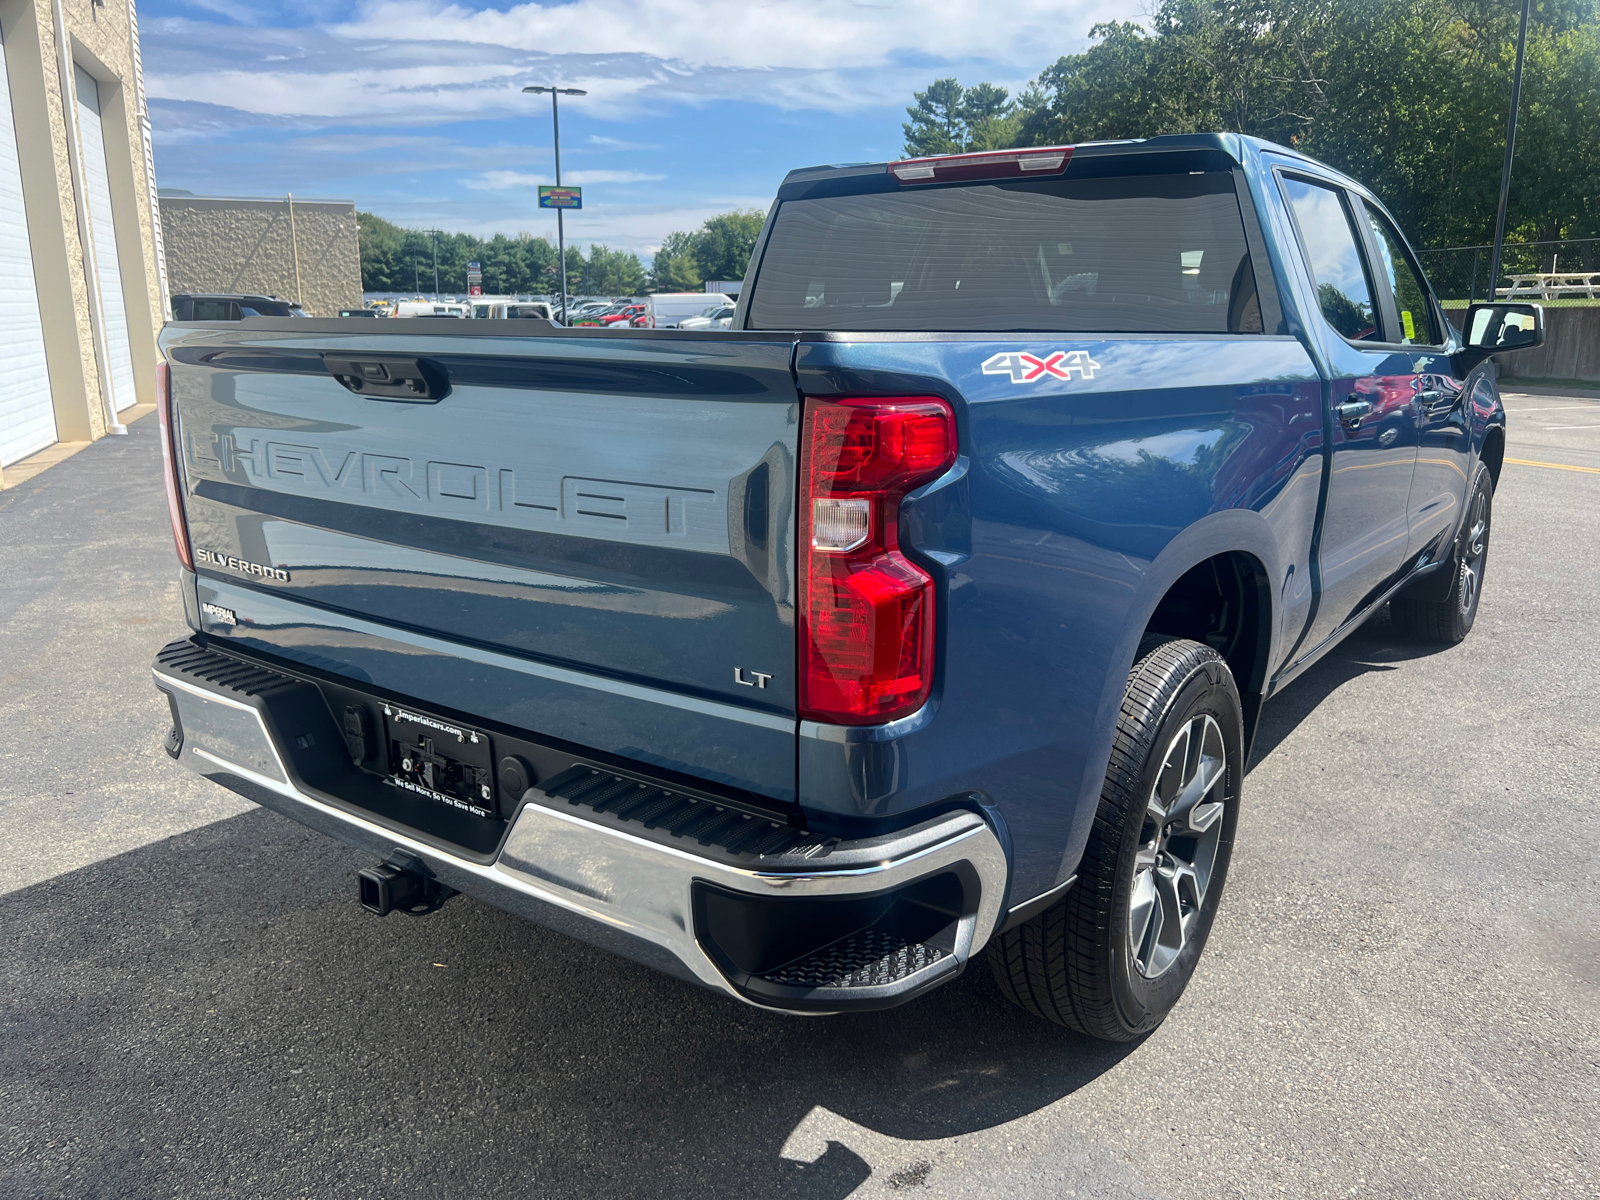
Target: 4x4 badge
{"x": 1033, "y": 368}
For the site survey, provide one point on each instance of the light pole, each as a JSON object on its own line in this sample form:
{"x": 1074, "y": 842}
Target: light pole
{"x": 1511, "y": 147}
{"x": 561, "y": 232}
{"x": 434, "y": 233}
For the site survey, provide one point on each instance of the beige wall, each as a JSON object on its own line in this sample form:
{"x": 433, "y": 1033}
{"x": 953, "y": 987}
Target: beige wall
{"x": 226, "y": 245}
{"x": 1571, "y": 348}
{"x": 103, "y": 40}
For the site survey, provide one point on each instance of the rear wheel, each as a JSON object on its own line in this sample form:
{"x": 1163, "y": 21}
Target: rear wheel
{"x": 1113, "y": 956}
{"x": 1447, "y": 622}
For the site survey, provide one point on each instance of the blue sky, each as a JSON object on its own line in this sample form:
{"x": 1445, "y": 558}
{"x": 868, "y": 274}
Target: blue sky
{"x": 413, "y": 108}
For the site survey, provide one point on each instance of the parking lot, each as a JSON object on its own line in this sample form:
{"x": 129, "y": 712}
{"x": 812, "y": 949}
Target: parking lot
{"x": 1401, "y": 996}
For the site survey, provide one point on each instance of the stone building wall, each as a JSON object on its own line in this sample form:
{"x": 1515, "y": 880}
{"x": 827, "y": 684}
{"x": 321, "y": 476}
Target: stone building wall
{"x": 217, "y": 244}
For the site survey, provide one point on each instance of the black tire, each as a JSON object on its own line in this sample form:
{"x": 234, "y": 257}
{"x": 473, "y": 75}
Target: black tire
{"x": 1076, "y": 963}
{"x": 1447, "y": 622}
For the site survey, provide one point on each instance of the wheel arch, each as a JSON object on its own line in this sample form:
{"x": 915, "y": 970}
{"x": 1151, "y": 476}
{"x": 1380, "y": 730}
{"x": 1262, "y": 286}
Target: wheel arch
{"x": 1175, "y": 592}
{"x": 1225, "y": 602}
{"x": 1493, "y": 452}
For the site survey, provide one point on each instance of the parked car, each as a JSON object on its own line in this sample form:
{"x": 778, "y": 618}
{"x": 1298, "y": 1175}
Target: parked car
{"x": 611, "y": 314}
{"x": 717, "y": 316}
{"x": 930, "y": 616}
{"x": 625, "y": 314}
{"x": 362, "y": 312}
{"x": 230, "y": 306}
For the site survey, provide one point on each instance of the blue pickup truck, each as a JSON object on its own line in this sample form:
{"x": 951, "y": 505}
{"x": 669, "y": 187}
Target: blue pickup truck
{"x": 928, "y": 610}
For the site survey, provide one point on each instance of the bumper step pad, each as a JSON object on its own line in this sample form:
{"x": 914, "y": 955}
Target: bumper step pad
{"x": 682, "y": 815}
{"x": 871, "y": 958}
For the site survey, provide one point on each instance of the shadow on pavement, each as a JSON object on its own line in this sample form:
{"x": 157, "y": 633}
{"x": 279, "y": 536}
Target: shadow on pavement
{"x": 213, "y": 1014}
{"x": 1376, "y": 646}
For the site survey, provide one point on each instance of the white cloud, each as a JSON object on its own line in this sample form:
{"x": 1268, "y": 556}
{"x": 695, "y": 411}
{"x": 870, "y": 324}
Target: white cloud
{"x": 500, "y": 181}
{"x": 415, "y": 61}
{"x": 581, "y": 177}
{"x": 611, "y": 143}
{"x": 738, "y": 33}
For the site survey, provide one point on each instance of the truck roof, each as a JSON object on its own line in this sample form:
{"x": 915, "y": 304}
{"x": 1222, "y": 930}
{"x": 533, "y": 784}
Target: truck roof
{"x": 1234, "y": 147}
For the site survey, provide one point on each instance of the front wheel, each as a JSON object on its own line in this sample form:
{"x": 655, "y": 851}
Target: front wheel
{"x": 1447, "y": 622}
{"x": 1113, "y": 956}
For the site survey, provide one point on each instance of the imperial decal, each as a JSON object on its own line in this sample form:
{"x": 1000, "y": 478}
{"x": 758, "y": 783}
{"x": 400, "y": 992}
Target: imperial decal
{"x": 225, "y": 615}
{"x": 1033, "y": 368}
{"x": 241, "y": 565}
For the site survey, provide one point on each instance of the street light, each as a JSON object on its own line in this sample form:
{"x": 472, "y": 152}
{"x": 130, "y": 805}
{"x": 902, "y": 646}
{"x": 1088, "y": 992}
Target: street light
{"x": 561, "y": 232}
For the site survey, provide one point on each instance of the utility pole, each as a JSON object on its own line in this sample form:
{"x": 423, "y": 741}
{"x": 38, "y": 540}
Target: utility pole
{"x": 1511, "y": 146}
{"x": 561, "y": 231}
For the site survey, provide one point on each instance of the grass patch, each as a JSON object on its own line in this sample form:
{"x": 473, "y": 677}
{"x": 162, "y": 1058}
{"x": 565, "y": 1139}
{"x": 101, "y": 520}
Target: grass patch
{"x": 1563, "y": 302}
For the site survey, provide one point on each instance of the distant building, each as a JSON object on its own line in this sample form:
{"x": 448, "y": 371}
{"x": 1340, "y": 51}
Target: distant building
{"x": 81, "y": 293}
{"x": 304, "y": 251}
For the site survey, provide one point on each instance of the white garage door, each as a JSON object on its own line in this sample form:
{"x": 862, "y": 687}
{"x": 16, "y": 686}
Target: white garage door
{"x": 97, "y": 182}
{"x": 27, "y": 417}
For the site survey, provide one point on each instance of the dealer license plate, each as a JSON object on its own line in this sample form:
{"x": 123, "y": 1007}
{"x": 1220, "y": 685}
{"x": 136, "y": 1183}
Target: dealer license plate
{"x": 440, "y": 759}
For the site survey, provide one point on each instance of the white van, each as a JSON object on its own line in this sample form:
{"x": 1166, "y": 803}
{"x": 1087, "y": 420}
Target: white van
{"x": 428, "y": 308}
{"x": 504, "y": 309}
{"x": 667, "y": 309}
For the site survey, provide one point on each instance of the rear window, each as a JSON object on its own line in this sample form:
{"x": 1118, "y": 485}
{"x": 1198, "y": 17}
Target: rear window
{"x": 1141, "y": 254}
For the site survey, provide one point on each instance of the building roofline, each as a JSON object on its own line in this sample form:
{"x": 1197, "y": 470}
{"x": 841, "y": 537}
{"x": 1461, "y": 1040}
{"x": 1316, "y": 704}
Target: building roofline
{"x": 178, "y": 194}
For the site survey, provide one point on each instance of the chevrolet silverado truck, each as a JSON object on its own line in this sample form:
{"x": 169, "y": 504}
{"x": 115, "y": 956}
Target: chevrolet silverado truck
{"x": 928, "y": 611}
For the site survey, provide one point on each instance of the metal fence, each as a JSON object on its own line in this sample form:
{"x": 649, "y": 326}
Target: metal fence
{"x": 1461, "y": 273}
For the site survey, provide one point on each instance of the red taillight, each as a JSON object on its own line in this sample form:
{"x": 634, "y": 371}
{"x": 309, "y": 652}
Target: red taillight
{"x": 867, "y": 618}
{"x": 169, "y": 458}
{"x": 1000, "y": 164}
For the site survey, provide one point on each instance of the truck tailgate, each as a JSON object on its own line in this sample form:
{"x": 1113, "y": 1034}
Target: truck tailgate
{"x": 619, "y": 508}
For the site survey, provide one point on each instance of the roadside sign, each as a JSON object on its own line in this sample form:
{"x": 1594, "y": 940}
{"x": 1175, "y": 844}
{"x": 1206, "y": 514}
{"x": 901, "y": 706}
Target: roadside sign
{"x": 560, "y": 197}
{"x": 474, "y": 279}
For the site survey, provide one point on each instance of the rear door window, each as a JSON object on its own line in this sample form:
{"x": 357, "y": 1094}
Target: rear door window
{"x": 1136, "y": 254}
{"x": 215, "y": 310}
{"x": 1334, "y": 255}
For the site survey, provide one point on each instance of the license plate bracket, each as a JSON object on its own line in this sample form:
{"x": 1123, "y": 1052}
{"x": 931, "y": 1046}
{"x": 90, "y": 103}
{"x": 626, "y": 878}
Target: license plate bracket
{"x": 440, "y": 759}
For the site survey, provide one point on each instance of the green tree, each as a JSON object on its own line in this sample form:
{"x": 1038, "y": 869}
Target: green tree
{"x": 613, "y": 272}
{"x": 948, "y": 119}
{"x": 719, "y": 249}
{"x": 990, "y": 118}
{"x": 937, "y": 125}
{"x": 722, "y": 246}
{"x": 1408, "y": 96}
{"x": 674, "y": 268}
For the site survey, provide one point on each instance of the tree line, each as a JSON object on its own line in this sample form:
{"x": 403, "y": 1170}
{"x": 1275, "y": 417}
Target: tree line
{"x": 396, "y": 259}
{"x": 1408, "y": 96}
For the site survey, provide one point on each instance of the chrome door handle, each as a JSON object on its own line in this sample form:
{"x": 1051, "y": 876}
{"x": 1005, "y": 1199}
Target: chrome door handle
{"x": 1353, "y": 412}
{"x": 1431, "y": 397}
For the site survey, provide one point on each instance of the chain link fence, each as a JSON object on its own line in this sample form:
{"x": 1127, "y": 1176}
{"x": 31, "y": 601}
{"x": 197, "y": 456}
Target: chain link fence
{"x": 1460, "y": 274}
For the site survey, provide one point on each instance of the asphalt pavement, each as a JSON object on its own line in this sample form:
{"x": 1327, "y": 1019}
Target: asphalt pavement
{"x": 1401, "y": 996}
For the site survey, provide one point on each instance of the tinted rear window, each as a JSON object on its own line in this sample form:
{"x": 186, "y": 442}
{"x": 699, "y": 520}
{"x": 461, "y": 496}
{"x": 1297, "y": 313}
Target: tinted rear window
{"x": 1142, "y": 254}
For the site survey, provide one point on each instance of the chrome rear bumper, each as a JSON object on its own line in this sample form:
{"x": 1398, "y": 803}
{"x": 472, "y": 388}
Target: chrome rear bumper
{"x": 633, "y": 894}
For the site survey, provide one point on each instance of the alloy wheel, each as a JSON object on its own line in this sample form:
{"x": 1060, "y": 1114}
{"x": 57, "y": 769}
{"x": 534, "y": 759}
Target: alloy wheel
{"x": 1177, "y": 846}
{"x": 1477, "y": 545}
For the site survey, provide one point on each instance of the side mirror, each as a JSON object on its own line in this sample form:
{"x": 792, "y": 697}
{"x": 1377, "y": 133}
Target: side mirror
{"x": 1501, "y": 327}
